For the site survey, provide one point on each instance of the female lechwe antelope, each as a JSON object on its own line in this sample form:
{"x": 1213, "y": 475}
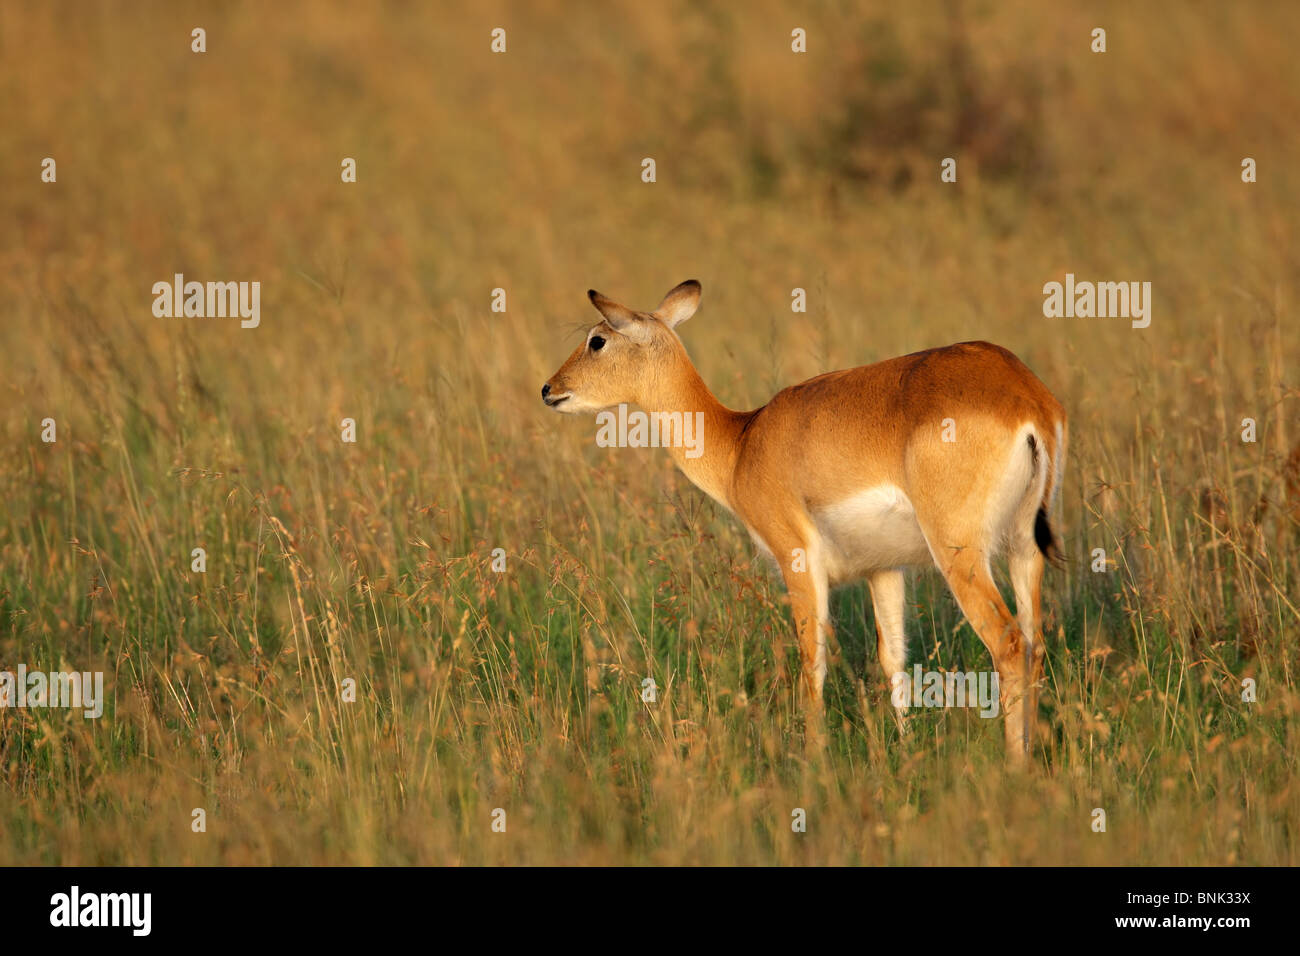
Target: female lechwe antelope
{"x": 945, "y": 456}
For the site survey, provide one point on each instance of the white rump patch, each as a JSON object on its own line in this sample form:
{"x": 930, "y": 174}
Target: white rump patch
{"x": 1019, "y": 492}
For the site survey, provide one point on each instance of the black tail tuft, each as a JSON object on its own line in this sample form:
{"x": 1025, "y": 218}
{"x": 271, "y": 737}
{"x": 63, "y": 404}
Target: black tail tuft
{"x": 1046, "y": 540}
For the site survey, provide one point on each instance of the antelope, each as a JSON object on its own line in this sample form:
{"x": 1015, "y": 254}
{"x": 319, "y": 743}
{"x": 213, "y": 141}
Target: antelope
{"x": 946, "y": 457}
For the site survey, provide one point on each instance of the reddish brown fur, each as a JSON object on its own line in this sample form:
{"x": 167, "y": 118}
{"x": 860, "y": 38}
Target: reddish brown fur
{"x": 819, "y": 443}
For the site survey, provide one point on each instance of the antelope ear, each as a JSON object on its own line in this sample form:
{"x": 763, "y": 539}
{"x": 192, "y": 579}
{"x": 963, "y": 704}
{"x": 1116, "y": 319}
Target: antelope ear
{"x": 679, "y": 305}
{"x": 620, "y": 318}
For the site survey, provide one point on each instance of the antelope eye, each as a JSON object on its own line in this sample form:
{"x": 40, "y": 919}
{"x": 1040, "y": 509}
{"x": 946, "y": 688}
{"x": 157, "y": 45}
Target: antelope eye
{"x": 596, "y": 343}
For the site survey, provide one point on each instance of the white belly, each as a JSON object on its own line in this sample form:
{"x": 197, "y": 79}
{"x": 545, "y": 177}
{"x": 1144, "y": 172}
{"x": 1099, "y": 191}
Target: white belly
{"x": 870, "y": 531}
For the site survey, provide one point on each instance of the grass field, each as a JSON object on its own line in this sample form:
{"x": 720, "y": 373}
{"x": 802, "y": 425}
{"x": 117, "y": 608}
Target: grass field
{"x": 520, "y": 690}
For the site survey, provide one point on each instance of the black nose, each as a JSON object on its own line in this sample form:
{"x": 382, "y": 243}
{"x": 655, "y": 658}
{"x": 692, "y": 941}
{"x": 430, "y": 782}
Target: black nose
{"x": 546, "y": 390}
